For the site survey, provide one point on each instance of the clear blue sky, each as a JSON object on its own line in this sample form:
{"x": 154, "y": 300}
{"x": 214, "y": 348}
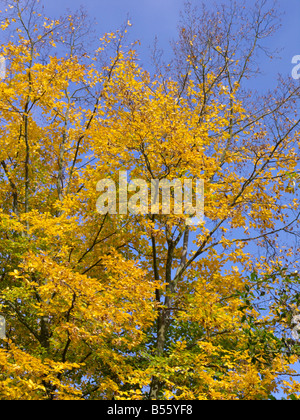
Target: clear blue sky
{"x": 160, "y": 17}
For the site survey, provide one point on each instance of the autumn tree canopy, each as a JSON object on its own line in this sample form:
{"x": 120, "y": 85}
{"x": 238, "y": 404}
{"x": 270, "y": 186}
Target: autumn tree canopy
{"x": 134, "y": 306}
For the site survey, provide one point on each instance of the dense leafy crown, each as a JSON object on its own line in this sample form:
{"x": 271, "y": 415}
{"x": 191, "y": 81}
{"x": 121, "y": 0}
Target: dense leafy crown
{"x": 102, "y": 306}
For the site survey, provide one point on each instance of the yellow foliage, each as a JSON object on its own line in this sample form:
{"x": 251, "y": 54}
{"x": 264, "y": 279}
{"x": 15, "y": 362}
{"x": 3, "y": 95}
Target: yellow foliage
{"x": 102, "y": 306}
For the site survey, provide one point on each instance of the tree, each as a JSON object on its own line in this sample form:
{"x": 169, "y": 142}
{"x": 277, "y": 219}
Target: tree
{"x": 102, "y": 306}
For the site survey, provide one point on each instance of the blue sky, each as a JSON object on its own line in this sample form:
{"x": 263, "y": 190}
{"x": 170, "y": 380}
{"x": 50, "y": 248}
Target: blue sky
{"x": 159, "y": 18}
